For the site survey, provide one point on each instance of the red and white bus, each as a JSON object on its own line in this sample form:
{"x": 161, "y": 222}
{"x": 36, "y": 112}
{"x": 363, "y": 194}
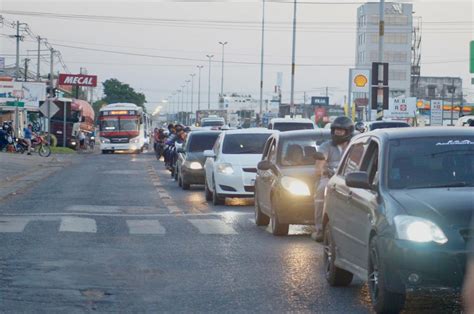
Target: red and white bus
{"x": 124, "y": 126}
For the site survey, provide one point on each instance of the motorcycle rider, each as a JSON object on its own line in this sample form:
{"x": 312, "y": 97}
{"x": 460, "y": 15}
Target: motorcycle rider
{"x": 342, "y": 130}
{"x": 27, "y": 136}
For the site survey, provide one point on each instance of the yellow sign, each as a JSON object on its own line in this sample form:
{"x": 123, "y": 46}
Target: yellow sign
{"x": 119, "y": 112}
{"x": 360, "y": 80}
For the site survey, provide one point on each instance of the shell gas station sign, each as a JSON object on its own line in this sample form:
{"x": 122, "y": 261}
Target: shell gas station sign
{"x": 360, "y": 81}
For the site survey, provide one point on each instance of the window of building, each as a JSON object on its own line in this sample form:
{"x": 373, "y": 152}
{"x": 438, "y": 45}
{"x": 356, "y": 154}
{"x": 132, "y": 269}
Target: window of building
{"x": 432, "y": 91}
{"x": 397, "y": 75}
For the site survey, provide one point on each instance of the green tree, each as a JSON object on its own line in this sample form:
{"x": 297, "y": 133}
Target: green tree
{"x": 116, "y": 91}
{"x": 97, "y": 105}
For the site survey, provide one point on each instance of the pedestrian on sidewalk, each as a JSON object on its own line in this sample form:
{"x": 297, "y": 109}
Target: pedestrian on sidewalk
{"x": 28, "y": 134}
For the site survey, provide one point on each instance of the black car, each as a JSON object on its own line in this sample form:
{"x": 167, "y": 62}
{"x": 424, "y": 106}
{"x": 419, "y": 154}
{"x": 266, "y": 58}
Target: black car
{"x": 398, "y": 212}
{"x": 285, "y": 179}
{"x": 191, "y": 158}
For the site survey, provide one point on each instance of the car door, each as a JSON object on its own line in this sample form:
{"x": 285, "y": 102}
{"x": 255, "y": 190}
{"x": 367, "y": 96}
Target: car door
{"x": 362, "y": 204}
{"x": 182, "y": 154}
{"x": 340, "y": 213}
{"x": 267, "y": 178}
{"x": 260, "y": 176}
{"x": 209, "y": 164}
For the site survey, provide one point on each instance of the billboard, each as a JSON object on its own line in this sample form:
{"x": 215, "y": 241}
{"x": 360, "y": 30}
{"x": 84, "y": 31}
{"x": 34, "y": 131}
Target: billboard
{"x": 33, "y": 93}
{"x": 401, "y": 107}
{"x": 78, "y": 80}
{"x": 8, "y": 90}
{"x": 436, "y": 113}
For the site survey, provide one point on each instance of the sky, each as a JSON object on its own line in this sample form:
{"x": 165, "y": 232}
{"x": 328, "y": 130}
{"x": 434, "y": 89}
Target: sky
{"x": 155, "y": 45}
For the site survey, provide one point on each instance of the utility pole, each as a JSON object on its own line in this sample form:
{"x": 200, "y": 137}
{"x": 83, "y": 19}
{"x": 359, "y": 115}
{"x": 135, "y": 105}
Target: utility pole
{"x": 261, "y": 59}
{"x": 327, "y": 91}
{"x": 192, "y": 94}
{"x": 26, "y": 69}
{"x": 222, "y": 75}
{"x": 453, "y": 90}
{"x": 38, "y": 61}
{"x": 199, "y": 87}
{"x": 182, "y": 102}
{"x": 380, "y": 69}
{"x": 209, "y": 84}
{"x": 186, "y": 120}
{"x": 50, "y": 98}
{"x": 292, "y": 93}
{"x": 17, "y": 36}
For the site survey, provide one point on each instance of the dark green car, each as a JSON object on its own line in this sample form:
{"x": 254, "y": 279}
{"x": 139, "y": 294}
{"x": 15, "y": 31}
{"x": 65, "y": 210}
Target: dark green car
{"x": 398, "y": 212}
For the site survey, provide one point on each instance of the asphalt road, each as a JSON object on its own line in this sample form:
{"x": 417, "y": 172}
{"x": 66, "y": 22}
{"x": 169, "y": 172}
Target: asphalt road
{"x": 114, "y": 233}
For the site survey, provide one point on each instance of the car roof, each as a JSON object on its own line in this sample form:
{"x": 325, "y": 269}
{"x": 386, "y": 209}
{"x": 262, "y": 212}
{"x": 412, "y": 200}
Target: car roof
{"x": 400, "y": 133}
{"x": 387, "y": 122}
{"x": 250, "y": 131}
{"x": 302, "y": 133}
{"x": 204, "y": 131}
{"x": 292, "y": 120}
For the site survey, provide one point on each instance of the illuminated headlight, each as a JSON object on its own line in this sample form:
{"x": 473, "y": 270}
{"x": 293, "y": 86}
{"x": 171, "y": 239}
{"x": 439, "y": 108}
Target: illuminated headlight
{"x": 194, "y": 165}
{"x": 73, "y": 143}
{"x": 135, "y": 140}
{"x": 225, "y": 168}
{"x": 418, "y": 230}
{"x": 295, "y": 186}
{"x": 104, "y": 140}
{"x": 92, "y": 138}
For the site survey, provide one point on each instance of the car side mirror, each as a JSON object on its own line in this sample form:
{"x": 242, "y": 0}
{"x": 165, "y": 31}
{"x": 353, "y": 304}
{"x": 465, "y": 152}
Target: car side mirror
{"x": 319, "y": 156}
{"x": 209, "y": 153}
{"x": 264, "y": 165}
{"x": 358, "y": 180}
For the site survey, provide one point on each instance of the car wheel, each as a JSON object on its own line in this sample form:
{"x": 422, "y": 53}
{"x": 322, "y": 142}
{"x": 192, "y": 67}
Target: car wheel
{"x": 260, "y": 218}
{"x": 383, "y": 301}
{"x": 184, "y": 184}
{"x": 216, "y": 199}
{"x": 278, "y": 229}
{"x": 335, "y": 276}
{"x": 207, "y": 192}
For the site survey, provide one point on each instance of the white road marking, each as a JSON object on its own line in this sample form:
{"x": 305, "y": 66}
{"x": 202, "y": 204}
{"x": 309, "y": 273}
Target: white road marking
{"x": 13, "y": 224}
{"x": 94, "y": 208}
{"x": 174, "y": 209}
{"x": 77, "y": 224}
{"x": 145, "y": 227}
{"x": 212, "y": 226}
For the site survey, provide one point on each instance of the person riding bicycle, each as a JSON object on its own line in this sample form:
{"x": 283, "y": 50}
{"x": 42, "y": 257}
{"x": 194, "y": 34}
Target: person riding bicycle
{"x": 342, "y": 130}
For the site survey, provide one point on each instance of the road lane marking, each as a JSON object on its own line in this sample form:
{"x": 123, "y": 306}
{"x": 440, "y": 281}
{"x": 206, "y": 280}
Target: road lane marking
{"x": 13, "y": 224}
{"x": 77, "y": 224}
{"x": 212, "y": 226}
{"x": 145, "y": 227}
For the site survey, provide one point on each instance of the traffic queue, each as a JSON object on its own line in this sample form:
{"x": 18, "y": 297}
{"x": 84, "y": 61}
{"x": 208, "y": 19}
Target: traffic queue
{"x": 392, "y": 205}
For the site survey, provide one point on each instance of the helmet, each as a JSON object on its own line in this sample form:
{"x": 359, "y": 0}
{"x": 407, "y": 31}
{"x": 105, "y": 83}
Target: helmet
{"x": 360, "y": 126}
{"x": 344, "y": 123}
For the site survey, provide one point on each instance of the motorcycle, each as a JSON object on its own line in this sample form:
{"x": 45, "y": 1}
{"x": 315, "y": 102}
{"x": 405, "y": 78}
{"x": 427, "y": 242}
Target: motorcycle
{"x": 92, "y": 142}
{"x": 37, "y": 144}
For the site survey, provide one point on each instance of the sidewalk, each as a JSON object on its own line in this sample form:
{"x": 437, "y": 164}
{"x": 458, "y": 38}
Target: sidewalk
{"x": 18, "y": 171}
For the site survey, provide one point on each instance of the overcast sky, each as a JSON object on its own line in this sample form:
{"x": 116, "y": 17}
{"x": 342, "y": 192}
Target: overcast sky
{"x": 191, "y": 29}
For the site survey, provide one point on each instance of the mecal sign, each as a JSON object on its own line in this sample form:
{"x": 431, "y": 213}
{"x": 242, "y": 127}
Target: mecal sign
{"x": 77, "y": 79}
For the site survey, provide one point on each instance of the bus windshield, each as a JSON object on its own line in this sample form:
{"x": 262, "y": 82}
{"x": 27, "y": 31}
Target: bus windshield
{"x": 119, "y": 124}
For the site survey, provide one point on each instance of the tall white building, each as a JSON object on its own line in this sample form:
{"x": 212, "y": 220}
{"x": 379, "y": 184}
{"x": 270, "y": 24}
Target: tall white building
{"x": 397, "y": 42}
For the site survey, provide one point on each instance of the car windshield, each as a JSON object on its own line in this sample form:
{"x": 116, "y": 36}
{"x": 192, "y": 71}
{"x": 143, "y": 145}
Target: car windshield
{"x": 212, "y": 123}
{"x": 244, "y": 143}
{"x": 202, "y": 142}
{"x": 431, "y": 162}
{"x": 292, "y": 126}
{"x": 299, "y": 151}
{"x": 388, "y": 125}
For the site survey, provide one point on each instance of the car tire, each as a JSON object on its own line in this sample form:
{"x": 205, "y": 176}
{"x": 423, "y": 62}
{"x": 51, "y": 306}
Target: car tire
{"x": 216, "y": 198}
{"x": 207, "y": 192}
{"x": 278, "y": 229}
{"x": 184, "y": 184}
{"x": 383, "y": 301}
{"x": 335, "y": 276}
{"x": 260, "y": 218}
{"x": 104, "y": 152}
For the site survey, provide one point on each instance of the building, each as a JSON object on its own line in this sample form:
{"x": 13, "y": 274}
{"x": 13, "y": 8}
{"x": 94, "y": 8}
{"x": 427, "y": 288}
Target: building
{"x": 398, "y": 40}
{"x": 435, "y": 87}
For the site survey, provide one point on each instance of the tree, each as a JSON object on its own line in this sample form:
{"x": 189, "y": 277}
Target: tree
{"x": 97, "y": 105}
{"x": 116, "y": 91}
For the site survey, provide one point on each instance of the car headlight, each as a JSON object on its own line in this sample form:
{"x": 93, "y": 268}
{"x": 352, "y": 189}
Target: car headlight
{"x": 417, "y": 229}
{"x": 194, "y": 165}
{"x": 225, "y": 168}
{"x": 92, "y": 138}
{"x": 295, "y": 186}
{"x": 135, "y": 140}
{"x": 104, "y": 140}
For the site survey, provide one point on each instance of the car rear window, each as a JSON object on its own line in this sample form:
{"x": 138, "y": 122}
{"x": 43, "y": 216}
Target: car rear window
{"x": 389, "y": 125}
{"x": 213, "y": 123}
{"x": 431, "y": 162}
{"x": 244, "y": 143}
{"x": 292, "y": 126}
{"x": 201, "y": 142}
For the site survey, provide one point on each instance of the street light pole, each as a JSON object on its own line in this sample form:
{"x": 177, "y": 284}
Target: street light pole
{"x": 261, "y": 59}
{"x": 187, "y": 102}
{"x": 292, "y": 93}
{"x": 192, "y": 94}
{"x": 182, "y": 102}
{"x": 209, "y": 84}
{"x": 222, "y": 75}
{"x": 199, "y": 87}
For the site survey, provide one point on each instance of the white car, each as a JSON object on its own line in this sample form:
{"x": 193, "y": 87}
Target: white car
{"x": 291, "y": 124}
{"x": 231, "y": 166}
